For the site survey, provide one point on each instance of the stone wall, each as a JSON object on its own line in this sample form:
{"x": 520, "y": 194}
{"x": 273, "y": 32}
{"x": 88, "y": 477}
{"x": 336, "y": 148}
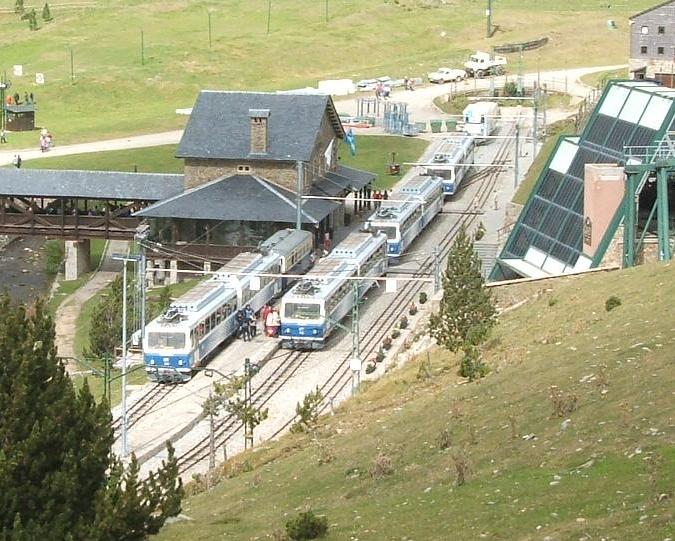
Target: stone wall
{"x": 199, "y": 171}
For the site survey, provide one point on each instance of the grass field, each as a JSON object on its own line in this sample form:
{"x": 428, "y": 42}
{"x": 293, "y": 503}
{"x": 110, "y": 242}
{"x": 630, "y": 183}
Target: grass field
{"x": 114, "y": 90}
{"x": 373, "y": 154}
{"x": 605, "y": 470}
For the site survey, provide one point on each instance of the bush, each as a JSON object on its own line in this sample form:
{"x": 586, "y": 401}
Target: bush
{"x": 395, "y": 333}
{"x": 472, "y": 366}
{"x": 510, "y": 89}
{"x": 562, "y": 403}
{"x": 307, "y": 526}
{"x": 370, "y": 368}
{"x": 386, "y": 343}
{"x": 423, "y": 297}
{"x": 55, "y": 254}
{"x": 612, "y": 303}
{"x": 379, "y": 357}
{"x": 403, "y": 323}
{"x": 480, "y": 232}
{"x": 382, "y": 466}
{"x": 412, "y": 309}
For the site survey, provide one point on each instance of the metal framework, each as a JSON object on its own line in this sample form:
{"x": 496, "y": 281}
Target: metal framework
{"x": 656, "y": 162}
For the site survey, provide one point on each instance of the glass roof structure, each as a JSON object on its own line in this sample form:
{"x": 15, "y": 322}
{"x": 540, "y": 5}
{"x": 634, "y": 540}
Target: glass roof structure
{"x": 547, "y": 238}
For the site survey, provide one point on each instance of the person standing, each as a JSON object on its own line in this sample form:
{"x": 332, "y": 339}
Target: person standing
{"x": 17, "y": 161}
{"x": 3, "y": 136}
{"x": 273, "y": 323}
{"x": 264, "y": 312}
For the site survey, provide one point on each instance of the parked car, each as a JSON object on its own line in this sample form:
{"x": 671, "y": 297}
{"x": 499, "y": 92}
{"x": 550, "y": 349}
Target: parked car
{"x": 445, "y": 75}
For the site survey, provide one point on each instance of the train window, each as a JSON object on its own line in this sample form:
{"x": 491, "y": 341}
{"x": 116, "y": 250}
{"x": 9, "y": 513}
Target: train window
{"x": 296, "y": 310}
{"x": 166, "y": 340}
{"x": 390, "y": 231}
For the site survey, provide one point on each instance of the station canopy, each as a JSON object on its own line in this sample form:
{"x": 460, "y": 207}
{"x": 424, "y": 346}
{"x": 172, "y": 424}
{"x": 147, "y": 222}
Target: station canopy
{"x": 548, "y": 236}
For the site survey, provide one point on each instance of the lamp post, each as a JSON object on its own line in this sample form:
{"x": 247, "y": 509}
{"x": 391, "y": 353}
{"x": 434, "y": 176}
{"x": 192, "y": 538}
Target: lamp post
{"x": 4, "y": 85}
{"x": 125, "y": 259}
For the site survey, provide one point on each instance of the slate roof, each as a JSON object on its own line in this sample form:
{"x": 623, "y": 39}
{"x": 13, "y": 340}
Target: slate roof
{"x": 219, "y": 126}
{"x": 657, "y": 6}
{"x": 89, "y": 184}
{"x": 239, "y": 197}
{"x": 344, "y": 179}
{"x": 23, "y": 108}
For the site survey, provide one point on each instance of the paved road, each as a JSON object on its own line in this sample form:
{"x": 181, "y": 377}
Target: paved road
{"x": 420, "y": 106}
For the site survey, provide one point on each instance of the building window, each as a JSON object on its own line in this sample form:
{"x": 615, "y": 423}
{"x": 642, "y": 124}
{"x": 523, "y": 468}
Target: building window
{"x": 643, "y": 49}
{"x": 660, "y": 50}
{"x": 662, "y": 29}
{"x": 243, "y": 168}
{"x": 644, "y": 30}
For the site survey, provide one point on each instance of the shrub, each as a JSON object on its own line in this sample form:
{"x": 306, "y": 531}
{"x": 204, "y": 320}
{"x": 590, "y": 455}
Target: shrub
{"x": 307, "y": 525}
{"x": 386, "y": 343}
{"x": 395, "y": 333}
{"x": 379, "y": 357}
{"x": 412, "y": 309}
{"x": 403, "y": 323}
{"x": 480, "y": 232}
{"x": 552, "y": 301}
{"x": 307, "y": 412}
{"x": 382, "y": 466}
{"x": 472, "y": 366}
{"x": 444, "y": 439}
{"x": 370, "y": 368}
{"x": 423, "y": 297}
{"x": 461, "y": 467}
{"x": 563, "y": 403}
{"x": 46, "y": 13}
{"x": 55, "y": 254}
{"x": 510, "y": 89}
{"x": 612, "y": 303}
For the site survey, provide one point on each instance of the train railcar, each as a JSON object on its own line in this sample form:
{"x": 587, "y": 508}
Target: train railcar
{"x": 312, "y": 309}
{"x": 410, "y": 208}
{"x": 199, "y": 321}
{"x": 452, "y": 162}
{"x": 480, "y": 119}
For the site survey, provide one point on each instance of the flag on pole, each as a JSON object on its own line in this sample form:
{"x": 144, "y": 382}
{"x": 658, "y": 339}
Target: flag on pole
{"x": 351, "y": 141}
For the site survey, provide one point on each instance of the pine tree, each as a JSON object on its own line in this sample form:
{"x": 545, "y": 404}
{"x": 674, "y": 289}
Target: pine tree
{"x": 46, "y": 13}
{"x": 32, "y": 20}
{"x": 467, "y": 312}
{"x": 58, "y": 478}
{"x": 19, "y": 7}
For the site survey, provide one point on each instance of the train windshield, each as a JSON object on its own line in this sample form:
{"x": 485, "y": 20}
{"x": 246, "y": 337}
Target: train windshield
{"x": 297, "y": 310}
{"x": 166, "y": 340}
{"x": 389, "y": 230}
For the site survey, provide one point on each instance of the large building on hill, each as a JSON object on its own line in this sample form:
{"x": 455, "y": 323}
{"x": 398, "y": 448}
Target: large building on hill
{"x": 583, "y": 211}
{"x": 247, "y": 156}
{"x": 652, "y": 44}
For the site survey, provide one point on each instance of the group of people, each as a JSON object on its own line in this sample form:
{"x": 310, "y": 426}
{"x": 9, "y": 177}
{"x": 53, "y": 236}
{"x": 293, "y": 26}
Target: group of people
{"x": 408, "y": 83}
{"x": 380, "y": 196}
{"x": 28, "y": 99}
{"x": 246, "y": 322}
{"x": 45, "y": 140}
{"x": 381, "y": 91}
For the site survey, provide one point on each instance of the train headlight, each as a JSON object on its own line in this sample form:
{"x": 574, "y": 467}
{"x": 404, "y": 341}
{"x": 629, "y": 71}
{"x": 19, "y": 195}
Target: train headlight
{"x": 180, "y": 362}
{"x": 152, "y": 361}
{"x": 315, "y": 332}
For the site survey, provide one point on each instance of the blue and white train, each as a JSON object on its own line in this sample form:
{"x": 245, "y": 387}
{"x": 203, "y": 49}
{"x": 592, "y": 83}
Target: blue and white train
{"x": 409, "y": 209}
{"x": 203, "y": 318}
{"x": 452, "y": 162}
{"x": 312, "y": 309}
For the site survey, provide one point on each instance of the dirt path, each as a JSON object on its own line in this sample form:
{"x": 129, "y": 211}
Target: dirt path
{"x": 69, "y": 309}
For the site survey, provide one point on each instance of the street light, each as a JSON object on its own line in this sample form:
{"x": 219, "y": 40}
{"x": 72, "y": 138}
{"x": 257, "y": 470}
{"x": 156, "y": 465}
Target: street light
{"x": 125, "y": 259}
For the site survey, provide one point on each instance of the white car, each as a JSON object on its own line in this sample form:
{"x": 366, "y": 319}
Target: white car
{"x": 445, "y": 75}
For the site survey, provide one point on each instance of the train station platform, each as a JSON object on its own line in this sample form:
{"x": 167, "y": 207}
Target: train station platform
{"x": 180, "y": 408}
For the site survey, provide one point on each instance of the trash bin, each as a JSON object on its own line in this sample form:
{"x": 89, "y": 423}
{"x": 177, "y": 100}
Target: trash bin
{"x": 451, "y": 125}
{"x": 436, "y": 126}
{"x": 421, "y": 127}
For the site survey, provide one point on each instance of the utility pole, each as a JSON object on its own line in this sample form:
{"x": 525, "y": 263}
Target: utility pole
{"x": 517, "y": 155}
{"x": 248, "y": 426}
{"x": 212, "y": 436}
{"x": 209, "y": 14}
{"x": 298, "y": 194}
{"x": 269, "y": 15}
{"x": 488, "y": 14}
{"x": 355, "y": 363}
{"x": 534, "y": 122}
{"x": 141, "y": 235}
{"x": 142, "y": 50}
{"x": 72, "y": 66}
{"x": 326, "y": 10}
{"x": 125, "y": 418}
{"x": 437, "y": 269}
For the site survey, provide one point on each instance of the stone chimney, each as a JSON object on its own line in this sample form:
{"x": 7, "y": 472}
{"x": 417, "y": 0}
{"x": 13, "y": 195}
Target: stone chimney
{"x": 259, "y": 119}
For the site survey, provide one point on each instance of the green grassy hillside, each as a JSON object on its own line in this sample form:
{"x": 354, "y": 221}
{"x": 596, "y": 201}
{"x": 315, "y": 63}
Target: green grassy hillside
{"x": 114, "y": 91}
{"x": 603, "y": 471}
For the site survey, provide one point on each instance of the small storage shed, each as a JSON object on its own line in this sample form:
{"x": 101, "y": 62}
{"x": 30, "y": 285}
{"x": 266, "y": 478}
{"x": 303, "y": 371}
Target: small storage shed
{"x": 20, "y": 117}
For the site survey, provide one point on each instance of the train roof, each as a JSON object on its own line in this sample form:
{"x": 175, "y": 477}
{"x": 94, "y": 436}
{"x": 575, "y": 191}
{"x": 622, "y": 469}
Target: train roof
{"x": 394, "y": 211}
{"x": 358, "y": 246}
{"x": 322, "y": 280}
{"x": 482, "y": 107}
{"x": 421, "y": 186}
{"x": 283, "y": 242}
{"x": 452, "y": 148}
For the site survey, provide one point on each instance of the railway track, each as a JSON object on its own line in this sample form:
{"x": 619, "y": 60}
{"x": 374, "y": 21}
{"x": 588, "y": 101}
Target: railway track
{"x": 336, "y": 382}
{"x": 144, "y": 405}
{"x": 230, "y": 424}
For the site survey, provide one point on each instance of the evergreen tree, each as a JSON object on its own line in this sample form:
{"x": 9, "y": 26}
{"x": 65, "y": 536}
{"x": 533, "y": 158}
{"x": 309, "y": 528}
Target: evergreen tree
{"x": 58, "y": 478}
{"x": 467, "y": 312}
{"x": 46, "y": 13}
{"x": 19, "y": 7}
